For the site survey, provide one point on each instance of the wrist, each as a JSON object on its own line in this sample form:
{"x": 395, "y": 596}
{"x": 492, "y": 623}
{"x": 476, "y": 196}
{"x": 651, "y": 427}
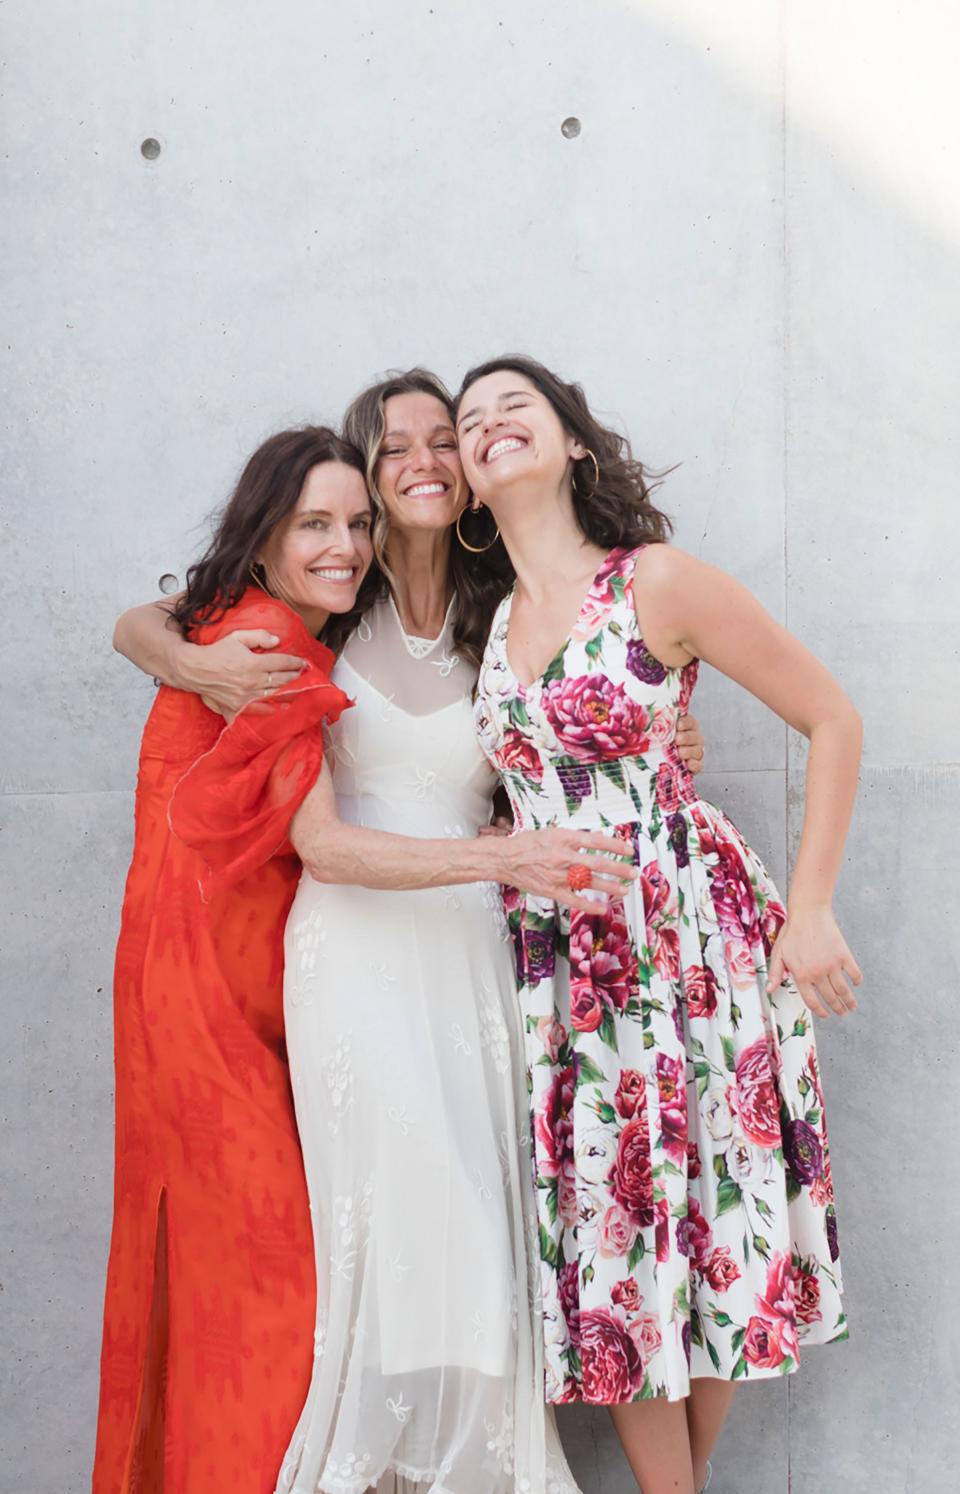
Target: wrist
{"x": 183, "y": 666}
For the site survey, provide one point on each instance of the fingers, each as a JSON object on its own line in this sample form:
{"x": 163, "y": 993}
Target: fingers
{"x": 841, "y": 990}
{"x": 254, "y": 637}
{"x": 777, "y": 971}
{"x": 595, "y": 840}
{"x": 602, "y": 869}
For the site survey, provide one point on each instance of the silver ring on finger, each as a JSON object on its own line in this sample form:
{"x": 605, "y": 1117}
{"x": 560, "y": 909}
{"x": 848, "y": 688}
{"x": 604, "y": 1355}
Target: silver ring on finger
{"x": 269, "y": 680}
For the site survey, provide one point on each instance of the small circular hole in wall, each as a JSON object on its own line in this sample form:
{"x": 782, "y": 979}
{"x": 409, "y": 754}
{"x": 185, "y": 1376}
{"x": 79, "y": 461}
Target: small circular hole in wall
{"x": 150, "y": 148}
{"x": 168, "y": 584}
{"x": 571, "y": 128}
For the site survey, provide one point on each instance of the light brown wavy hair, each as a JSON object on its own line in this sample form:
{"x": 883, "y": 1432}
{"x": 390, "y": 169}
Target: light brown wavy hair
{"x": 479, "y": 582}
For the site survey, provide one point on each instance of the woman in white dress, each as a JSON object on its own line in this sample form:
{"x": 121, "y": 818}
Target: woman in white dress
{"x": 402, "y": 1023}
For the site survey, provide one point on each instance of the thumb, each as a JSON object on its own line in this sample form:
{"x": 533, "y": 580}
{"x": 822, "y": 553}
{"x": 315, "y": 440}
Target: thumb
{"x": 255, "y": 638}
{"x": 777, "y": 970}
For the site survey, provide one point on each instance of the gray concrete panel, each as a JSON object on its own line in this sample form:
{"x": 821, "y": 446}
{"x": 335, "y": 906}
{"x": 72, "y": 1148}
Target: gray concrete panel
{"x": 744, "y": 257}
{"x": 67, "y": 855}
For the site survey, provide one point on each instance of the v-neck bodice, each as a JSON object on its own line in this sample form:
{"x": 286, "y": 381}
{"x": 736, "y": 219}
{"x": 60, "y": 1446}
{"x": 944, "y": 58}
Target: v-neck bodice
{"x": 591, "y": 736}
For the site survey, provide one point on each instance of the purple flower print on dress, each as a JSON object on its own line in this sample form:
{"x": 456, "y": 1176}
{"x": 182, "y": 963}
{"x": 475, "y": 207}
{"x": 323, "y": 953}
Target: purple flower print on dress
{"x": 640, "y": 661}
{"x": 677, "y": 831}
{"x": 833, "y": 1239}
{"x": 539, "y": 955}
{"x": 802, "y": 1151}
{"x": 575, "y": 781}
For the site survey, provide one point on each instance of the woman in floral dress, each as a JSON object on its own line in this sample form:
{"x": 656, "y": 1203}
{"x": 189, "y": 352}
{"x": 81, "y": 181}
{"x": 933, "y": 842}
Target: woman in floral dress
{"x": 686, "y": 1218}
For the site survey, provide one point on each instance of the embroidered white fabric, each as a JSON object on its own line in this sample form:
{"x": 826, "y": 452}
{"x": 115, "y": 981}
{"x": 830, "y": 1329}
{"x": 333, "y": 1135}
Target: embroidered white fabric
{"x": 406, "y": 1054}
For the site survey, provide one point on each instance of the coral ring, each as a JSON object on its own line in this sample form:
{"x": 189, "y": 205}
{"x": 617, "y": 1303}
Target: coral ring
{"x": 579, "y": 878}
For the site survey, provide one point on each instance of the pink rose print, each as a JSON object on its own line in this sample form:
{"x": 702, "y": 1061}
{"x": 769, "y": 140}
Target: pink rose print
{"x": 733, "y": 896}
{"x": 617, "y": 1232}
{"x": 772, "y": 920}
{"x": 740, "y": 961}
{"x": 720, "y": 1271}
{"x": 694, "y": 1236}
{"x": 758, "y": 1108}
{"x": 626, "y": 1294}
{"x": 612, "y": 1366}
{"x": 517, "y": 754}
{"x": 762, "y": 1345}
{"x": 632, "y": 1174}
{"x": 554, "y": 1127}
{"x": 631, "y": 1093}
{"x": 593, "y": 718}
{"x": 694, "y": 1165}
{"x": 808, "y": 1299}
{"x": 595, "y": 613}
{"x": 645, "y": 1332}
{"x": 672, "y": 1089}
{"x": 586, "y": 1011}
{"x": 662, "y": 1209}
{"x": 603, "y": 970}
{"x": 568, "y": 1287}
{"x": 660, "y": 916}
{"x": 668, "y": 789}
{"x": 552, "y": 1035}
{"x": 778, "y": 1305}
{"x": 700, "y": 990}
{"x": 567, "y": 1200}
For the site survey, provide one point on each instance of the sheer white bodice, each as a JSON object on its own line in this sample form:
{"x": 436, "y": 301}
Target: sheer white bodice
{"x": 405, "y": 1049}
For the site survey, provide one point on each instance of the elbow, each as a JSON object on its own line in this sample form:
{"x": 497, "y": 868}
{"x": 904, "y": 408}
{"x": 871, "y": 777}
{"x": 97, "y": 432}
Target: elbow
{"x": 119, "y": 634}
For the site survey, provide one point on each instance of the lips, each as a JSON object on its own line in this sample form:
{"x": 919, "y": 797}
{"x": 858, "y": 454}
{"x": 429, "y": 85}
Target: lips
{"x": 499, "y": 447}
{"x": 338, "y": 574}
{"x": 427, "y": 490}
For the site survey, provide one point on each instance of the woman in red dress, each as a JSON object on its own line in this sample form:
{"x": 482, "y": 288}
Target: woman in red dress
{"x": 210, "y": 1282}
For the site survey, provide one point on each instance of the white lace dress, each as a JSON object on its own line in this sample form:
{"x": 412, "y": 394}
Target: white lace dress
{"x": 406, "y": 1053}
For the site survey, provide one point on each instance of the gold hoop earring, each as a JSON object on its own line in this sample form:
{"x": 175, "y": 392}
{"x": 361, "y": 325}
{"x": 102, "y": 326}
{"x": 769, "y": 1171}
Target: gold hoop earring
{"x": 474, "y": 549}
{"x": 596, "y": 472}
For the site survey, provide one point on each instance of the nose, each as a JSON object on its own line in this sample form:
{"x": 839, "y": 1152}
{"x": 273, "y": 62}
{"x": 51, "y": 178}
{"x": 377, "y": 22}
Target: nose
{"x": 492, "y": 419}
{"x": 343, "y": 542}
{"x": 422, "y": 457}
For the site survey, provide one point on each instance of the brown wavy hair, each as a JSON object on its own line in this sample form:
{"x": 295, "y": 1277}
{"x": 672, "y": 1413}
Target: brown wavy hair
{"x": 479, "y": 582}
{"x": 266, "y": 492}
{"x": 612, "y": 505}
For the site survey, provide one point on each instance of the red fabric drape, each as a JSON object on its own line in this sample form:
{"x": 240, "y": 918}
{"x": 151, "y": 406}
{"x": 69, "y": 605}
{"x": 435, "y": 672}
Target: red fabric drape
{"x": 204, "y": 1390}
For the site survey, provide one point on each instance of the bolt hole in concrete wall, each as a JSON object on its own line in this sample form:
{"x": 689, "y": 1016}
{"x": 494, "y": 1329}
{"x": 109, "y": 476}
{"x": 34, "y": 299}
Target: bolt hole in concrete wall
{"x": 757, "y": 180}
{"x": 168, "y": 584}
{"x": 571, "y": 127}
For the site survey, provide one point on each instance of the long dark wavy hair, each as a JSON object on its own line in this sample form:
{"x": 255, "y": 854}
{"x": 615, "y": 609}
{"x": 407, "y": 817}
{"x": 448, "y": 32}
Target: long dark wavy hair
{"x": 479, "y": 582}
{"x": 613, "y": 504}
{"x": 266, "y": 492}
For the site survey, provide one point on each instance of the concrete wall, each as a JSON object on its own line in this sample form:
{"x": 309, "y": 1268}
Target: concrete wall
{"x": 749, "y": 255}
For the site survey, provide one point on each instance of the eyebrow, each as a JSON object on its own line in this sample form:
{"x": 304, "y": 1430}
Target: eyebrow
{"x": 404, "y": 435}
{"x": 510, "y": 394}
{"x": 325, "y": 513}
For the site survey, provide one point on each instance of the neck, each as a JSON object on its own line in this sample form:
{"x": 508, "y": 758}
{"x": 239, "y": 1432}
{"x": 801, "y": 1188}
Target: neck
{"x": 544, "y": 540}
{"x": 314, "y": 619}
{"x": 419, "y": 560}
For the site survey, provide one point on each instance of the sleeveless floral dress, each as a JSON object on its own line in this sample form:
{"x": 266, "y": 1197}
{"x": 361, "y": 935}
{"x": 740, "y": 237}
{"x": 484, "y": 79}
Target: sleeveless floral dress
{"x": 683, "y": 1180}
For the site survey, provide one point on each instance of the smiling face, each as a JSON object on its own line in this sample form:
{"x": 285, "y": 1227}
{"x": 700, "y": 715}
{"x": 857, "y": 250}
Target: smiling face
{"x": 418, "y": 472}
{"x": 318, "y": 555}
{"x": 511, "y": 438}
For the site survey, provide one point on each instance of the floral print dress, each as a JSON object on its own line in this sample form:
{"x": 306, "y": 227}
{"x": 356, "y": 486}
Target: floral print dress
{"x": 686, "y": 1215}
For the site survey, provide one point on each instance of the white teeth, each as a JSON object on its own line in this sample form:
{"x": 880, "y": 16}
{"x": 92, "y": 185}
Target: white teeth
{"x": 329, "y": 574}
{"x": 507, "y": 443}
{"x": 426, "y": 490}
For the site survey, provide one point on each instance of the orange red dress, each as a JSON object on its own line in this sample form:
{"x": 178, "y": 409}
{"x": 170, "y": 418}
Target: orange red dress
{"x": 210, "y": 1297}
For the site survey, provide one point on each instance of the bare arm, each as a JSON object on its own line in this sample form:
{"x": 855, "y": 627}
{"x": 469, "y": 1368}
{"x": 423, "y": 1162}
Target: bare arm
{"x": 687, "y": 608}
{"x": 227, "y": 674}
{"x": 535, "y": 861}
